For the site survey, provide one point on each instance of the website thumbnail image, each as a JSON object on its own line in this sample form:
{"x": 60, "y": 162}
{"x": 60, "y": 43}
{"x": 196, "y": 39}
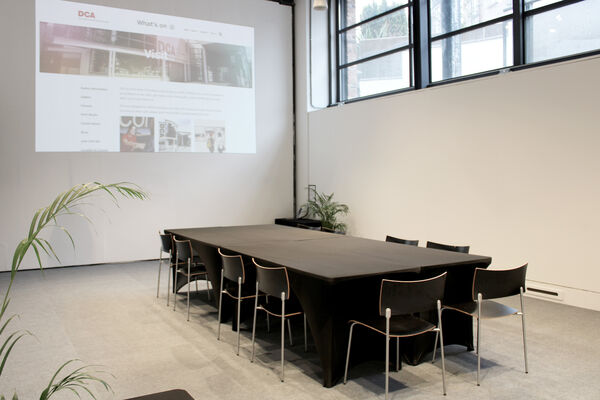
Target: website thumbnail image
{"x": 171, "y": 134}
{"x": 79, "y": 50}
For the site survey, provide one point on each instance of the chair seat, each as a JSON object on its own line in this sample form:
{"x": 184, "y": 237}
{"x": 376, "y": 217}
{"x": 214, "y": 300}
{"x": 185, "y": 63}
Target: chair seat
{"x": 292, "y": 307}
{"x": 195, "y": 269}
{"x": 195, "y": 260}
{"x": 400, "y": 326}
{"x": 489, "y": 309}
{"x": 231, "y": 289}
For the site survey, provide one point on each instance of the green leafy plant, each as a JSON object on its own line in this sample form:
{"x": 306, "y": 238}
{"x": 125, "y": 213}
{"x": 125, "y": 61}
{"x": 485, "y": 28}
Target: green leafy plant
{"x": 66, "y": 203}
{"x": 327, "y": 210}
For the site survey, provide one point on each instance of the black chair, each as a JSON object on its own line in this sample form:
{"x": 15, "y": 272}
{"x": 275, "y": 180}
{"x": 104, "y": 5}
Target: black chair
{"x": 166, "y": 246}
{"x": 399, "y": 301}
{"x": 233, "y": 270}
{"x": 447, "y": 247}
{"x": 494, "y": 284}
{"x": 193, "y": 271}
{"x": 392, "y": 239}
{"x": 274, "y": 281}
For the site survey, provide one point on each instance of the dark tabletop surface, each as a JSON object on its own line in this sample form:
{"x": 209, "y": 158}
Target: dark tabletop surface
{"x": 328, "y": 256}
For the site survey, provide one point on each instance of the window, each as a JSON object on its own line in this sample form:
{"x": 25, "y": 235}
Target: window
{"x": 560, "y": 29}
{"x": 470, "y": 36}
{"x": 390, "y": 45}
{"x": 375, "y": 47}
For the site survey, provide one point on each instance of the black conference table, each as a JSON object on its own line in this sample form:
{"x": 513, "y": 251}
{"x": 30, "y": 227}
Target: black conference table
{"x": 338, "y": 277}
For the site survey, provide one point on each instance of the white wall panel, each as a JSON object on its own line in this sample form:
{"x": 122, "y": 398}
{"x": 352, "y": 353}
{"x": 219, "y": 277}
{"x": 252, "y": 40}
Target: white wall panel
{"x": 186, "y": 189}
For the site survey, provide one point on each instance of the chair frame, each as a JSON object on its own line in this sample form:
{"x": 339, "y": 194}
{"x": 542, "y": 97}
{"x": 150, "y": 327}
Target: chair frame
{"x": 285, "y": 295}
{"x": 188, "y": 275}
{"x": 502, "y": 311}
{"x": 447, "y": 247}
{"x": 388, "y": 315}
{"x": 393, "y": 239}
{"x": 240, "y": 281}
{"x": 160, "y": 261}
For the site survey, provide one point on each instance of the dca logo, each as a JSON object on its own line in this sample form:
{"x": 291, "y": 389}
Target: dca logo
{"x": 86, "y": 14}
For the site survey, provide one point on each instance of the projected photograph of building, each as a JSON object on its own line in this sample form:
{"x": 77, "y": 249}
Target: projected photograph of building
{"x": 68, "y": 49}
{"x": 136, "y": 134}
{"x": 174, "y": 135}
{"x": 209, "y": 136}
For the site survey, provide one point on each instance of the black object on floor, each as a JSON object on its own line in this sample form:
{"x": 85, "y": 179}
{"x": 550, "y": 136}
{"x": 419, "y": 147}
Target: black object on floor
{"x": 176, "y": 394}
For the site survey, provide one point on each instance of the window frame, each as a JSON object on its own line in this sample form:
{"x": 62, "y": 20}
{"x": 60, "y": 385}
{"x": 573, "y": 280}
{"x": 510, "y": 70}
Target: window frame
{"x": 517, "y": 52}
{"x": 340, "y": 15}
{"x": 420, "y": 41}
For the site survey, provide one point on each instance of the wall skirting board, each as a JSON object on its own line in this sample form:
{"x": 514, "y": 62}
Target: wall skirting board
{"x": 565, "y": 295}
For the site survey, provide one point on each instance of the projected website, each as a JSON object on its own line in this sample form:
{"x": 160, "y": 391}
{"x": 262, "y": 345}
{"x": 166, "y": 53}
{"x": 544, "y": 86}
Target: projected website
{"x": 115, "y": 80}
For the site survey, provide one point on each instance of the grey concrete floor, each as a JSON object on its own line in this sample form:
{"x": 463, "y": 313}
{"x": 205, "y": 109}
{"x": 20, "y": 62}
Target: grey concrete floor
{"x": 109, "y": 315}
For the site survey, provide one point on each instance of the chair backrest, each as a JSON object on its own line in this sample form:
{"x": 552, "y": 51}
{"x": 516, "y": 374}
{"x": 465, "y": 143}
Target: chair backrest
{"x": 166, "y": 242}
{"x": 407, "y": 297}
{"x": 440, "y": 246}
{"x": 272, "y": 280}
{"x": 183, "y": 249}
{"x": 233, "y": 266}
{"x": 392, "y": 239}
{"x": 493, "y": 284}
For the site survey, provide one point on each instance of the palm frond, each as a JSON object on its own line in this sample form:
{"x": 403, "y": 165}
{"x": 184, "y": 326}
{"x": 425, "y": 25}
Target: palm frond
{"x": 327, "y": 210}
{"x": 75, "y": 381}
{"x": 63, "y": 204}
{"x": 9, "y": 344}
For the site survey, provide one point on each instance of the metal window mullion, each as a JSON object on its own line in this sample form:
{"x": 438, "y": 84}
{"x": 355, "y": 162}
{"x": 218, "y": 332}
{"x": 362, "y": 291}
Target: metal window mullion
{"x": 330, "y": 69}
{"x": 421, "y": 44}
{"x": 339, "y": 15}
{"x": 375, "y": 56}
{"x": 411, "y": 55}
{"x": 471, "y": 28}
{"x": 370, "y": 19}
{"x": 518, "y": 43}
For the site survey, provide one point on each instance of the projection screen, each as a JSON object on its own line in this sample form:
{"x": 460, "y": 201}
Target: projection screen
{"x": 115, "y": 80}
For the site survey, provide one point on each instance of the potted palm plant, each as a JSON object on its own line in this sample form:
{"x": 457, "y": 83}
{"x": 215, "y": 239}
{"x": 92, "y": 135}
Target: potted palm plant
{"x": 74, "y": 381}
{"x": 323, "y": 207}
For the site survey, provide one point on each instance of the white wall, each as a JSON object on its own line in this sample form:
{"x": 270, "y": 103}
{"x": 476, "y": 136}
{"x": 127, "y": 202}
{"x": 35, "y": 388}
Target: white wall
{"x": 186, "y": 189}
{"x": 508, "y": 164}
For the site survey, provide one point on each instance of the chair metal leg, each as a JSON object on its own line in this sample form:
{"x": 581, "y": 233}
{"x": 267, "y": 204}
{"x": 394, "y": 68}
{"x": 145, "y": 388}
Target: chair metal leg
{"x": 220, "y": 305}
{"x": 441, "y": 335}
{"x": 397, "y": 354}
{"x": 282, "y": 333}
{"x": 289, "y": 324}
{"x": 188, "y": 291}
{"x": 388, "y": 314}
{"x": 159, "y": 268}
{"x": 268, "y": 319}
{"x": 437, "y": 335}
{"x": 524, "y": 335}
{"x": 348, "y": 353}
{"x": 305, "y": 341}
{"x": 254, "y": 322}
{"x": 479, "y": 299}
{"x": 169, "y": 280}
{"x": 207, "y": 288}
{"x": 175, "y": 284}
{"x": 196, "y": 281}
{"x": 239, "y": 309}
